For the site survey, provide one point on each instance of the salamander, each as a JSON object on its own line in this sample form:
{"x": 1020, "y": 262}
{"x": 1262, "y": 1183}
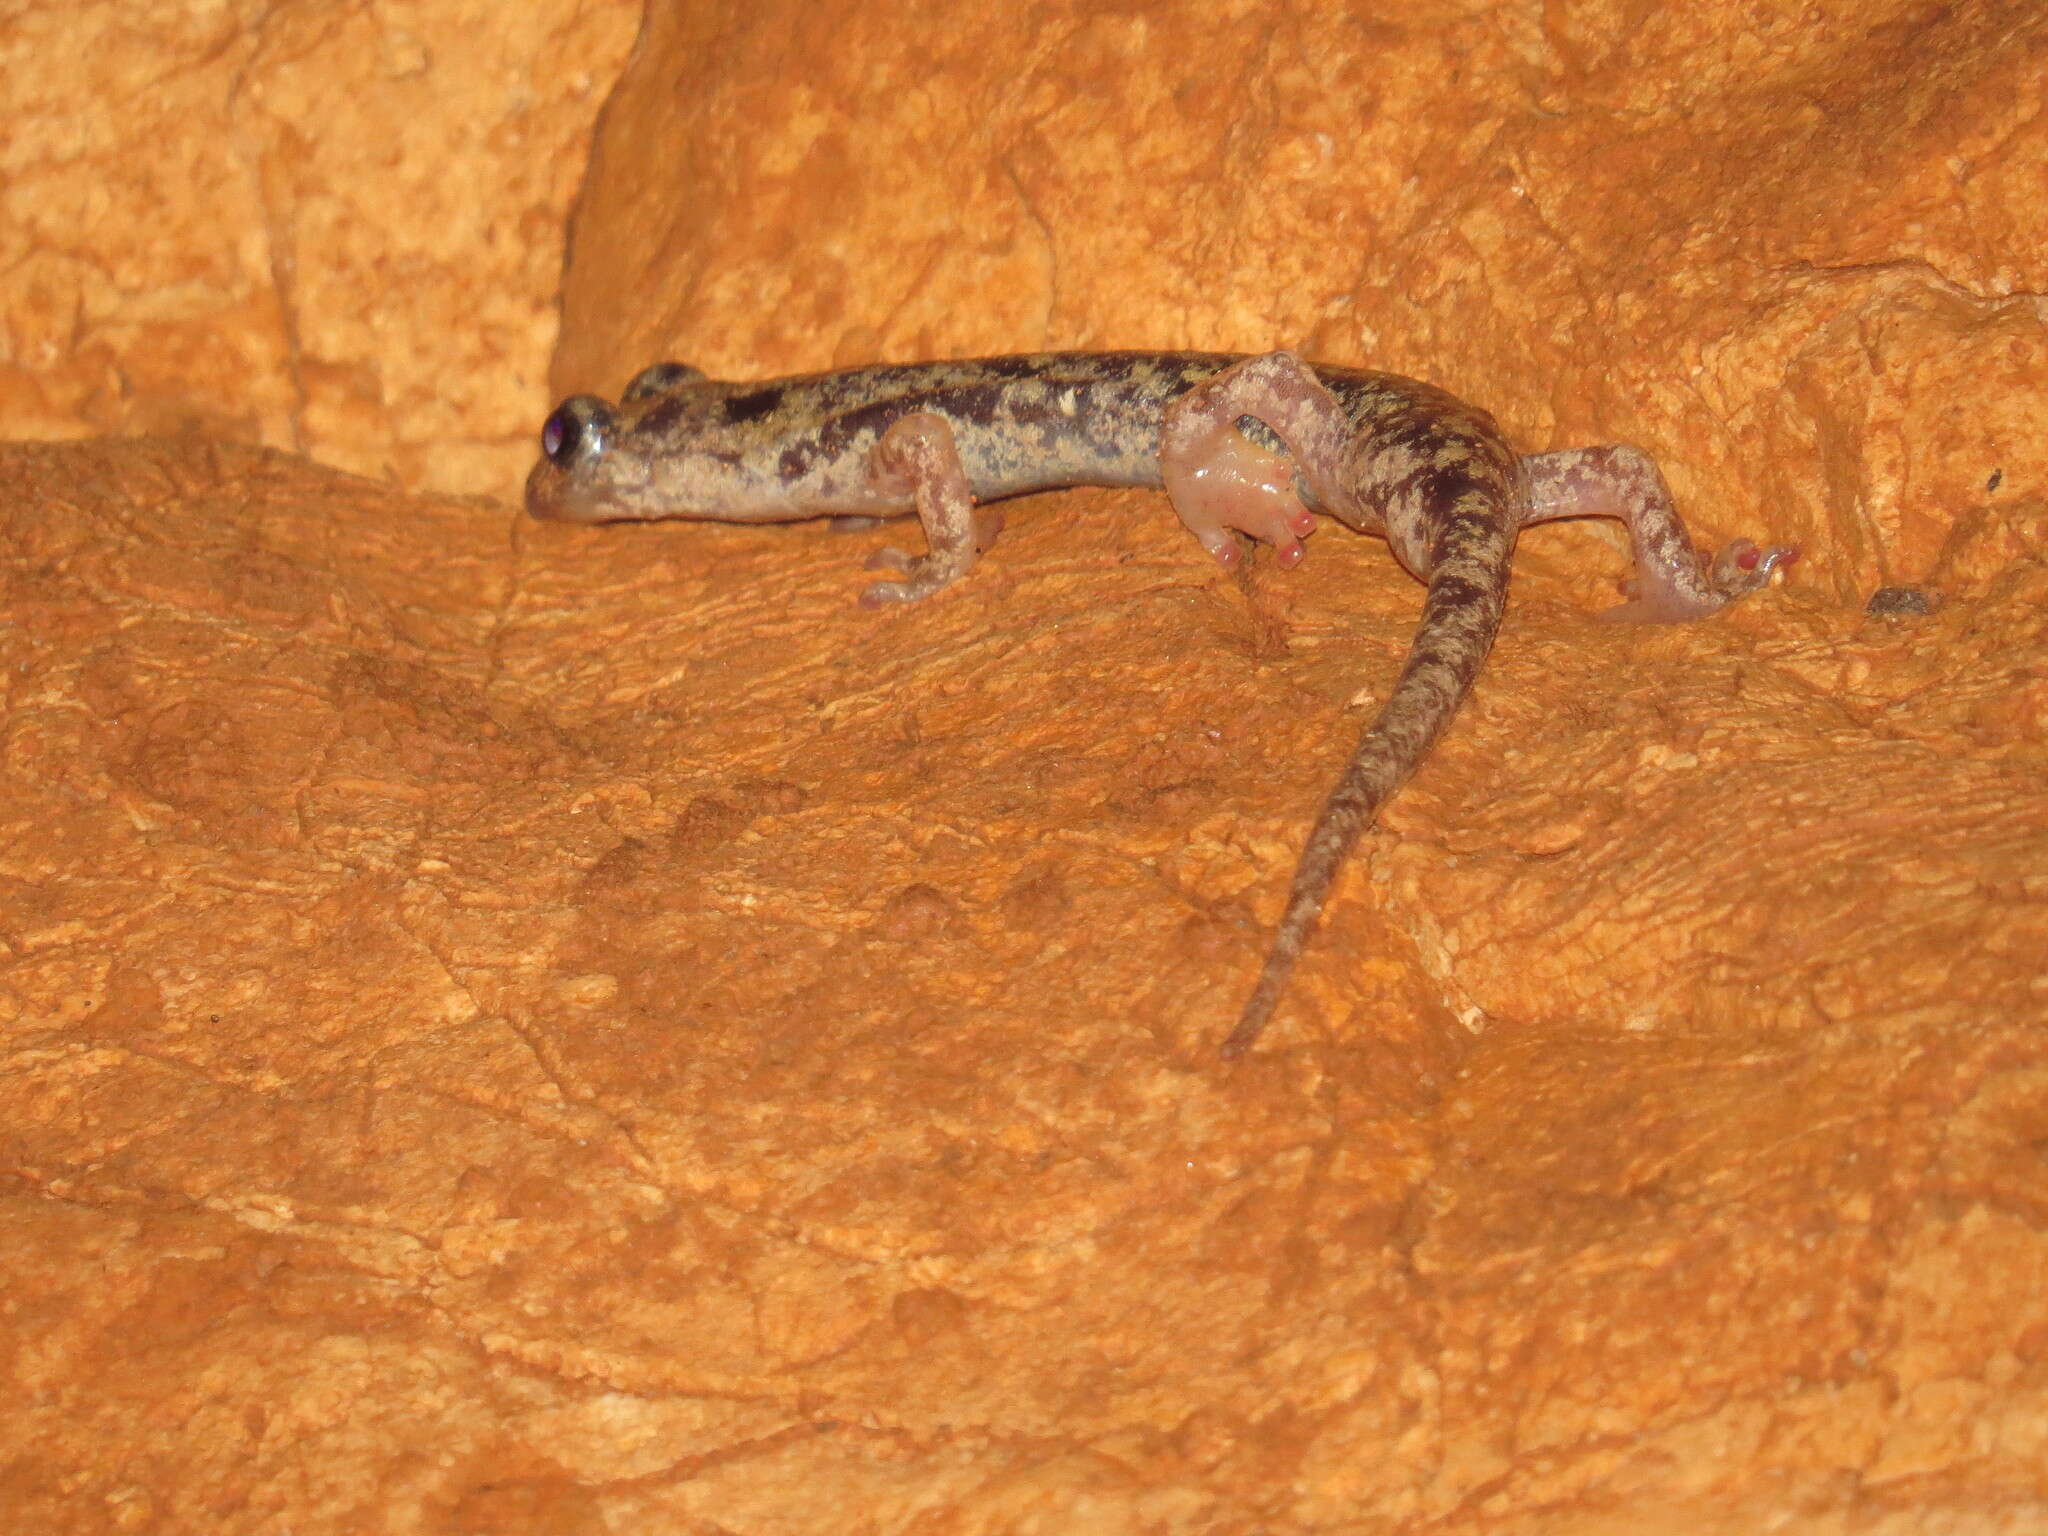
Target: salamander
{"x": 1258, "y": 445}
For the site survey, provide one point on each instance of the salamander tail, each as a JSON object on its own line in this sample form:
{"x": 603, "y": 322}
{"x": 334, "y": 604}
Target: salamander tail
{"x": 1467, "y": 590}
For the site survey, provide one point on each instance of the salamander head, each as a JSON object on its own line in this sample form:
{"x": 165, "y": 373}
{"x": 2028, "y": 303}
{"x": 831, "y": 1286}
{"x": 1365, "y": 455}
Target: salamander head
{"x": 597, "y": 459}
{"x": 576, "y": 468}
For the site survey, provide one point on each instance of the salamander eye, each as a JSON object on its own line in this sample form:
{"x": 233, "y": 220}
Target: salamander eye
{"x": 659, "y": 379}
{"x": 578, "y": 432}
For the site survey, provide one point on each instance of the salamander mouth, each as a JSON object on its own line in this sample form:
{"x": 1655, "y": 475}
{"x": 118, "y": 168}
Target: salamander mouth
{"x": 553, "y": 496}
{"x": 556, "y": 495}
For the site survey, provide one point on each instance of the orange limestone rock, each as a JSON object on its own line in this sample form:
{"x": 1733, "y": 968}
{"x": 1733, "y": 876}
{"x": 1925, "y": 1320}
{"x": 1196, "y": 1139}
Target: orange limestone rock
{"x": 524, "y": 1027}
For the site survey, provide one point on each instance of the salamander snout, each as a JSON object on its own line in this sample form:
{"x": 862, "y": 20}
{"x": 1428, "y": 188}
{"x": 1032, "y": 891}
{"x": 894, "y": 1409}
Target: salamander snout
{"x": 577, "y": 433}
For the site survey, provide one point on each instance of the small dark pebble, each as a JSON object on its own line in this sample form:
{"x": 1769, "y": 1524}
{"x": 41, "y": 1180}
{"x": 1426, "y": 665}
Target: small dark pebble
{"x": 1900, "y": 603}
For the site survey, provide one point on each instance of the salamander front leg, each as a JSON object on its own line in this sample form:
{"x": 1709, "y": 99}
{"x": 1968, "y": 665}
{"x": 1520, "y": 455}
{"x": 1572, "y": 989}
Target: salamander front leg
{"x": 917, "y": 454}
{"x": 1220, "y": 479}
{"x": 1673, "y": 580}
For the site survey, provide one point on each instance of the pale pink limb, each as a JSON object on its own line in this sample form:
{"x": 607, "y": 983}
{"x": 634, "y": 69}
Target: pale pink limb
{"x": 918, "y": 454}
{"x": 1219, "y": 479}
{"x": 1672, "y": 581}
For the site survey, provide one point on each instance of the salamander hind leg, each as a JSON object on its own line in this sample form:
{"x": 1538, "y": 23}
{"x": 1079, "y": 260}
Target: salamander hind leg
{"x": 1220, "y": 479}
{"x": 1673, "y": 582}
{"x": 918, "y": 454}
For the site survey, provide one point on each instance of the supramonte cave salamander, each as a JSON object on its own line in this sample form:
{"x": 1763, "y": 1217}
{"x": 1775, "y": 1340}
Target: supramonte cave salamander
{"x": 1258, "y": 444}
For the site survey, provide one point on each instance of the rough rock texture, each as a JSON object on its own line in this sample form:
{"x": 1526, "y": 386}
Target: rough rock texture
{"x": 335, "y": 229}
{"x": 518, "y": 1028}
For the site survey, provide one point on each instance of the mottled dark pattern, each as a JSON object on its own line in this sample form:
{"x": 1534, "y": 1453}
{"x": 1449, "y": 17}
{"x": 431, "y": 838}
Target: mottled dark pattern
{"x": 659, "y": 378}
{"x": 665, "y": 415}
{"x": 753, "y": 407}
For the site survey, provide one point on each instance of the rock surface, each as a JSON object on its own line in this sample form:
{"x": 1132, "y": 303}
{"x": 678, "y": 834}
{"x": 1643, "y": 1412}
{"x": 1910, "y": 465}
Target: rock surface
{"x": 509, "y": 1027}
{"x": 336, "y": 230}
